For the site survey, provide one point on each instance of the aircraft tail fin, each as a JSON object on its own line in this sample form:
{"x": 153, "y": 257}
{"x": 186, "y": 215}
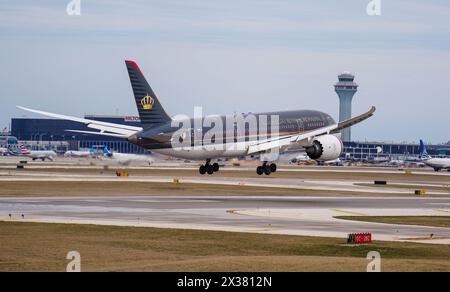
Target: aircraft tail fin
{"x": 107, "y": 152}
{"x": 23, "y": 150}
{"x": 149, "y": 108}
{"x": 423, "y": 151}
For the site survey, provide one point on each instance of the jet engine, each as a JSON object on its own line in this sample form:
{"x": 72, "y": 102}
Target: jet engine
{"x": 325, "y": 148}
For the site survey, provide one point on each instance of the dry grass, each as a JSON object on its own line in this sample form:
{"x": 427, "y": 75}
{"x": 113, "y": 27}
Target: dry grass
{"x": 125, "y": 188}
{"x": 436, "y": 221}
{"x": 230, "y": 172}
{"x": 43, "y": 247}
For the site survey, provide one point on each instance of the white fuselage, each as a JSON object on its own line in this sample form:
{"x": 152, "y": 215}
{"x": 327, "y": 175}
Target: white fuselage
{"x": 126, "y": 159}
{"x": 41, "y": 154}
{"x": 77, "y": 154}
{"x": 438, "y": 163}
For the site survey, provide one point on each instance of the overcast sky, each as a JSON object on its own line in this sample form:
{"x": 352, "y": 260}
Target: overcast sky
{"x": 233, "y": 56}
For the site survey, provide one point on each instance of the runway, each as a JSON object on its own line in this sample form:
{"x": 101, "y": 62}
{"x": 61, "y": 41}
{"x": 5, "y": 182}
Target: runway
{"x": 311, "y": 216}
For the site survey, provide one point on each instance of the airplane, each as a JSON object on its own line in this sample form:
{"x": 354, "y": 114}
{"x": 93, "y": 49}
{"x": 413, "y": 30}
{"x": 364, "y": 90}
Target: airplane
{"x": 396, "y": 162}
{"x": 436, "y": 163}
{"x": 293, "y": 157}
{"x": 77, "y": 154}
{"x": 126, "y": 158}
{"x": 94, "y": 151}
{"x": 335, "y": 162}
{"x": 3, "y": 151}
{"x": 311, "y": 131}
{"x": 37, "y": 154}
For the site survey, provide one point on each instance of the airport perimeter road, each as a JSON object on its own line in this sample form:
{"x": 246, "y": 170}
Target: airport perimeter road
{"x": 279, "y": 215}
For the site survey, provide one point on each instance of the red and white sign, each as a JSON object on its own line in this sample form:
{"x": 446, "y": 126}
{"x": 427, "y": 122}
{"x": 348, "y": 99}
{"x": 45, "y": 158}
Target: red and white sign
{"x": 360, "y": 238}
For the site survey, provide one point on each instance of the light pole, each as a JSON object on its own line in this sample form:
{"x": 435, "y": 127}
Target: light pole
{"x": 40, "y": 137}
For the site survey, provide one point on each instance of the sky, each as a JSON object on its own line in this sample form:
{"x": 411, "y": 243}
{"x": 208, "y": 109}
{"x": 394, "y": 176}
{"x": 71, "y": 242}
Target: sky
{"x": 232, "y": 56}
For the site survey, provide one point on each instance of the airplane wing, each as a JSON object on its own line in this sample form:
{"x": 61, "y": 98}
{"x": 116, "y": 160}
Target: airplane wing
{"x": 305, "y": 139}
{"x": 353, "y": 121}
{"x": 106, "y": 129}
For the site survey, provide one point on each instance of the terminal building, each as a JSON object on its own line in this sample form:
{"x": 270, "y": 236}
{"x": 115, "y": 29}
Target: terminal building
{"x": 361, "y": 151}
{"x": 52, "y": 134}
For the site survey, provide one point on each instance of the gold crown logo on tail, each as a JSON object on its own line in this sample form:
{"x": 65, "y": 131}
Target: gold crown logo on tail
{"x": 147, "y": 102}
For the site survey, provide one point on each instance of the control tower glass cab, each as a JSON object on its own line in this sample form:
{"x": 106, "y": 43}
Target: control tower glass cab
{"x": 346, "y": 89}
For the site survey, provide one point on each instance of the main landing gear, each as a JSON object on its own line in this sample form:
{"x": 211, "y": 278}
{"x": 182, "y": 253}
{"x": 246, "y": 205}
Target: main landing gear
{"x": 208, "y": 168}
{"x": 267, "y": 169}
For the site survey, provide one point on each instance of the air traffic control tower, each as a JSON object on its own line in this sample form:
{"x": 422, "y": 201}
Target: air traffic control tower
{"x": 346, "y": 89}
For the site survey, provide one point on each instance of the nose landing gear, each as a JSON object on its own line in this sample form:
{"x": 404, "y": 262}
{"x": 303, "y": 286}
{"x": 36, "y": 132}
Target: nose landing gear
{"x": 208, "y": 168}
{"x": 266, "y": 169}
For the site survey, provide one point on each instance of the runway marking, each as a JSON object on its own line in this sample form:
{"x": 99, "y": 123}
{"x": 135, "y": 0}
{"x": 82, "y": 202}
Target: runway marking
{"x": 425, "y": 238}
{"x": 349, "y": 212}
{"x": 440, "y": 210}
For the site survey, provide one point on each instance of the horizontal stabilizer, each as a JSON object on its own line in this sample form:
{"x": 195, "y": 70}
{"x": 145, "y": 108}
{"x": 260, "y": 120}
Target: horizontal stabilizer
{"x": 122, "y": 131}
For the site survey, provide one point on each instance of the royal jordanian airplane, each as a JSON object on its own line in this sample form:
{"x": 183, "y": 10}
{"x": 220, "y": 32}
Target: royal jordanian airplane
{"x": 314, "y": 132}
{"x": 436, "y": 163}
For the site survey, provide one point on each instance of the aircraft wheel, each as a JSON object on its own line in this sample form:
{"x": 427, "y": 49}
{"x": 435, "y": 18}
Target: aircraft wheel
{"x": 209, "y": 169}
{"x": 215, "y": 167}
{"x": 437, "y": 169}
{"x": 202, "y": 169}
{"x": 259, "y": 170}
{"x": 273, "y": 167}
{"x": 267, "y": 170}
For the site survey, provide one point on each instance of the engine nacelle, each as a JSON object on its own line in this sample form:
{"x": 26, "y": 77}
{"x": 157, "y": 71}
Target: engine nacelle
{"x": 325, "y": 148}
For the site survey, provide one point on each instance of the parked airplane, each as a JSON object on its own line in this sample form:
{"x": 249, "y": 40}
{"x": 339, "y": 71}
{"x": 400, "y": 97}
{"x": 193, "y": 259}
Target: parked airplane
{"x": 436, "y": 163}
{"x": 95, "y": 151}
{"x": 204, "y": 138}
{"x": 77, "y": 154}
{"x": 37, "y": 154}
{"x": 126, "y": 158}
{"x": 335, "y": 162}
{"x": 3, "y": 151}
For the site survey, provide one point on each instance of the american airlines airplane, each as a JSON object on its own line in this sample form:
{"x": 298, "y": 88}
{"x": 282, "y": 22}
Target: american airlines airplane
{"x": 37, "y": 154}
{"x": 214, "y": 137}
{"x": 436, "y": 163}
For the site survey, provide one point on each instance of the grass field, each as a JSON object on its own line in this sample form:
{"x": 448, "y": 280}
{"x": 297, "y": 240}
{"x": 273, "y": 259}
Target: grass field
{"x": 319, "y": 173}
{"x": 436, "y": 221}
{"x": 124, "y": 187}
{"x": 43, "y": 247}
{"x": 127, "y": 188}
